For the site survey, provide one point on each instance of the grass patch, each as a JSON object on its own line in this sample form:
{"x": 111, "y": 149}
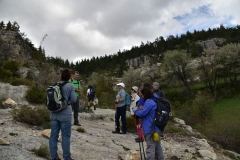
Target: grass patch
{"x": 105, "y": 106}
{"x": 80, "y": 129}
{"x": 86, "y": 110}
{"x": 13, "y": 134}
{"x": 227, "y": 106}
{"x": 42, "y": 151}
{"x": 101, "y": 117}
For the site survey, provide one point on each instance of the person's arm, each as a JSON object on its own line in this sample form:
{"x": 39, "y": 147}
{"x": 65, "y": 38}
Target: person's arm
{"x": 122, "y": 96}
{"x": 87, "y": 93}
{"x": 73, "y": 96}
{"x": 145, "y": 110}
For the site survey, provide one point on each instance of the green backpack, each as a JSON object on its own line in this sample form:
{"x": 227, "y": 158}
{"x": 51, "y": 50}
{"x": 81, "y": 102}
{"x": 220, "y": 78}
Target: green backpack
{"x": 55, "y": 100}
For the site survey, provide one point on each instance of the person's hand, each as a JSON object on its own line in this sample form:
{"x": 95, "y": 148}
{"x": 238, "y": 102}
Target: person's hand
{"x": 140, "y": 107}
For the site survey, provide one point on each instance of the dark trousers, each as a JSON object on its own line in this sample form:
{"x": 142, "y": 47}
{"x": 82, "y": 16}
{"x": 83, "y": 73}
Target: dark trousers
{"x": 75, "y": 107}
{"x": 121, "y": 112}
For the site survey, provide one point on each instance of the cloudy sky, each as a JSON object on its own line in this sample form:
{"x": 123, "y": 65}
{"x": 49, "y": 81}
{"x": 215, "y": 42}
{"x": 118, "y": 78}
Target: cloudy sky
{"x": 78, "y": 29}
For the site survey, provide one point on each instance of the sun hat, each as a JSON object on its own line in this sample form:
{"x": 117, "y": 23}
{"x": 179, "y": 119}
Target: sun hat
{"x": 135, "y": 88}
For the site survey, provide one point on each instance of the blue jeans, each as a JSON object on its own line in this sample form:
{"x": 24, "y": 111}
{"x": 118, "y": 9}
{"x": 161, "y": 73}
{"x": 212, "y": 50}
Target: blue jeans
{"x": 121, "y": 112}
{"x": 60, "y": 121}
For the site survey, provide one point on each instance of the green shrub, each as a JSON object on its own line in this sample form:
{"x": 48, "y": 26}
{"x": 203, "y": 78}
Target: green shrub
{"x": 131, "y": 127}
{"x": 42, "y": 151}
{"x": 4, "y": 74}
{"x": 36, "y": 95}
{"x": 2, "y": 106}
{"x": 21, "y": 81}
{"x": 202, "y": 107}
{"x": 196, "y": 111}
{"x": 11, "y": 65}
{"x": 34, "y": 116}
{"x": 107, "y": 99}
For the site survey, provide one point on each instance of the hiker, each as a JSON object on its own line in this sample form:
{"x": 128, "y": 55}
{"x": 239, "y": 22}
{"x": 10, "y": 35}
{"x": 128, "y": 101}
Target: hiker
{"x": 62, "y": 121}
{"x": 141, "y": 101}
{"x": 156, "y": 94}
{"x": 120, "y": 105}
{"x": 134, "y": 99}
{"x": 140, "y": 106}
{"x": 91, "y": 95}
{"x": 154, "y": 149}
{"x": 156, "y": 91}
{"x": 75, "y": 106}
{"x": 134, "y": 105}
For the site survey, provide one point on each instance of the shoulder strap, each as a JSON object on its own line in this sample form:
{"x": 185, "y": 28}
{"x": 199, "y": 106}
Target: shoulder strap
{"x": 61, "y": 85}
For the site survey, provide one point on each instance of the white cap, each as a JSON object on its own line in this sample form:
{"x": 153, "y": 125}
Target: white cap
{"x": 121, "y": 84}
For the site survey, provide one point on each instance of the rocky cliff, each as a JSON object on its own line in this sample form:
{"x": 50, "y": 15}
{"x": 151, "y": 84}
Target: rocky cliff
{"x": 210, "y": 44}
{"x": 12, "y": 46}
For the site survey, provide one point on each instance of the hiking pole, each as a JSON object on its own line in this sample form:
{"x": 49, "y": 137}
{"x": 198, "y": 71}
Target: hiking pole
{"x": 143, "y": 151}
{"x": 140, "y": 150}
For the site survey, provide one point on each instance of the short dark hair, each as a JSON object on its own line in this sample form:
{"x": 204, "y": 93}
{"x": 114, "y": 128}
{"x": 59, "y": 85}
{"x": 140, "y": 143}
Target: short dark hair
{"x": 147, "y": 85}
{"x": 65, "y": 74}
{"x": 147, "y": 93}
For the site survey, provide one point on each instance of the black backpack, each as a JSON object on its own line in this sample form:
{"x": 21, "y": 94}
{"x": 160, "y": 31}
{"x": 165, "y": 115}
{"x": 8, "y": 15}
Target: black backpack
{"x": 55, "y": 100}
{"x": 163, "y": 112}
{"x": 92, "y": 92}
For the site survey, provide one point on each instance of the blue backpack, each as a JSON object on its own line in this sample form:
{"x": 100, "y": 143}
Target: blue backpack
{"x": 127, "y": 99}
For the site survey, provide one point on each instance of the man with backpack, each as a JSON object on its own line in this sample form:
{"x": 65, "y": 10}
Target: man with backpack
{"x": 156, "y": 91}
{"x": 120, "y": 104}
{"x": 75, "y": 106}
{"x": 91, "y": 94}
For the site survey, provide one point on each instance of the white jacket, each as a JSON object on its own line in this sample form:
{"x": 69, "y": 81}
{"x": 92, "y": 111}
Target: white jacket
{"x": 134, "y": 102}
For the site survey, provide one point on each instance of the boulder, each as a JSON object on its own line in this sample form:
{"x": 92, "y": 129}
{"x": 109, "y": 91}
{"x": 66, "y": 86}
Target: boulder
{"x": 10, "y": 102}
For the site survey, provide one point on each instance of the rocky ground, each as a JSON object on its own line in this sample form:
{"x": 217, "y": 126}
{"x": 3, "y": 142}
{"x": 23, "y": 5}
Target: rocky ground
{"x": 98, "y": 142}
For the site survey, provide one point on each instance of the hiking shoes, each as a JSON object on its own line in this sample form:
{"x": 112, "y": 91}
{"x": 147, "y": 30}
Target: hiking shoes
{"x": 56, "y": 159}
{"x": 77, "y": 124}
{"x": 115, "y": 132}
{"x": 122, "y": 133}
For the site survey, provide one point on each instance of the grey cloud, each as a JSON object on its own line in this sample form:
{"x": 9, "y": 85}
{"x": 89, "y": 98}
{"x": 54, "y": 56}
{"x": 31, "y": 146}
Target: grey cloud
{"x": 83, "y": 28}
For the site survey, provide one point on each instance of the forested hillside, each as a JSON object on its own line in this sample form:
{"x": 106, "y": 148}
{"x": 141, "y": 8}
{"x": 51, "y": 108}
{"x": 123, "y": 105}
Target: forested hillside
{"x": 196, "y": 81}
{"x": 116, "y": 62}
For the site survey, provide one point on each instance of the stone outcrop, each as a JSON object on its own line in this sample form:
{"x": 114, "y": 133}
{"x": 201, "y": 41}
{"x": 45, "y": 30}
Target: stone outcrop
{"x": 16, "y": 93}
{"x": 98, "y": 142}
{"x": 211, "y": 44}
{"x": 138, "y": 62}
{"x": 13, "y": 46}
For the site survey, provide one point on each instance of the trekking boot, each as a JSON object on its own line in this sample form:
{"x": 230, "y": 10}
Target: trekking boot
{"x": 94, "y": 107}
{"x": 115, "y": 132}
{"x": 56, "y": 159}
